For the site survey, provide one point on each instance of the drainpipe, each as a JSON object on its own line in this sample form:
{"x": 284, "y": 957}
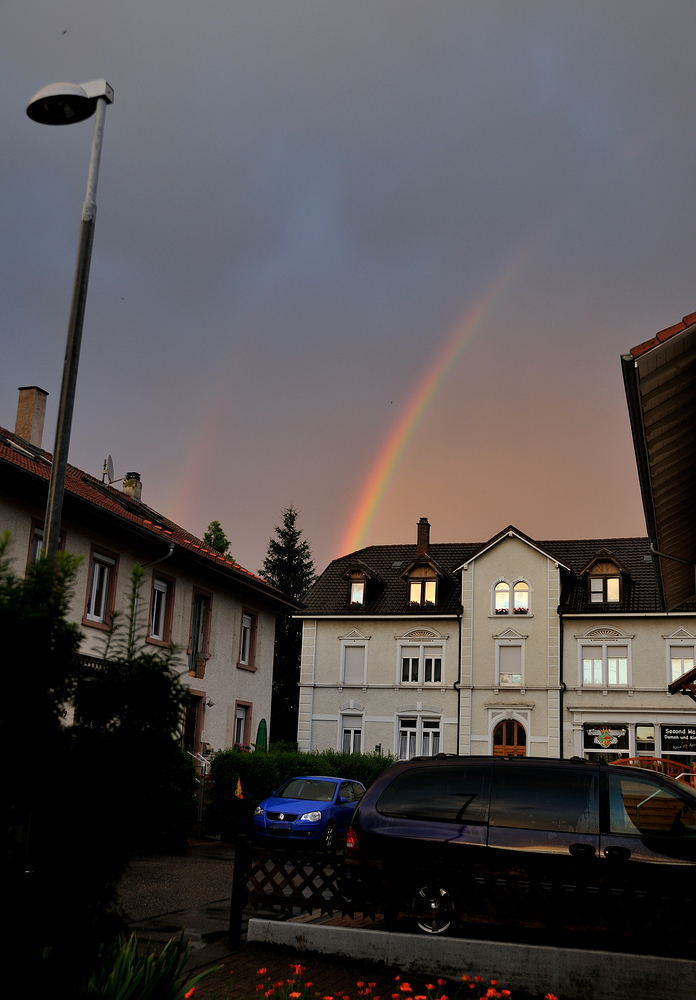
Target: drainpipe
{"x": 561, "y": 682}
{"x": 153, "y": 562}
{"x": 458, "y": 685}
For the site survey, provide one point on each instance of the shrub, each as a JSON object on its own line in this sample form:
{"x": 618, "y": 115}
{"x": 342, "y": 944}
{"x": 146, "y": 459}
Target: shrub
{"x": 262, "y": 773}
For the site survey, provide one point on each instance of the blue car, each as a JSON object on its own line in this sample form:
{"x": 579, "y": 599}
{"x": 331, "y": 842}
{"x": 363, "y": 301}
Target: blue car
{"x": 309, "y": 808}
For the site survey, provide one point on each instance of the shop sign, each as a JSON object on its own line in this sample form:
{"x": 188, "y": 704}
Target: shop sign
{"x": 612, "y": 736}
{"x": 676, "y": 739}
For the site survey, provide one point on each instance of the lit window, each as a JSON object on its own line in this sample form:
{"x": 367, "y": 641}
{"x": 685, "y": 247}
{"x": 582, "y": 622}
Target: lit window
{"x": 681, "y": 660}
{"x": 99, "y": 587}
{"x": 357, "y": 591}
{"x": 421, "y": 663}
{"x": 422, "y": 592}
{"x": 605, "y": 590}
{"x": 521, "y": 596}
{"x": 158, "y": 614}
{"x": 605, "y": 666}
{"x": 502, "y": 598}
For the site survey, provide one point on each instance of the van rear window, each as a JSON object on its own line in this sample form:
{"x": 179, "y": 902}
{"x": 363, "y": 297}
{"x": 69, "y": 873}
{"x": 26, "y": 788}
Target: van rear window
{"x": 450, "y": 794}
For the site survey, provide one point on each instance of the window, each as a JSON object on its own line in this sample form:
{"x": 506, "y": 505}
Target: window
{"x": 422, "y": 592}
{"x": 357, "y": 591}
{"x": 605, "y": 589}
{"x": 421, "y": 665}
{"x": 681, "y": 659}
{"x": 510, "y": 665}
{"x": 407, "y": 738}
{"x": 240, "y": 725}
{"x": 351, "y": 734}
{"x": 354, "y": 665}
{"x": 200, "y": 628}
{"x": 36, "y": 538}
{"x": 604, "y": 665}
{"x": 645, "y": 739}
{"x": 502, "y": 598}
{"x": 605, "y": 741}
{"x": 638, "y": 807}
{"x": 247, "y": 641}
{"x": 451, "y": 794}
{"x": 100, "y": 592}
{"x": 431, "y": 737}
{"x": 161, "y": 604}
{"x": 541, "y": 798}
{"x": 193, "y": 718}
{"x": 521, "y": 598}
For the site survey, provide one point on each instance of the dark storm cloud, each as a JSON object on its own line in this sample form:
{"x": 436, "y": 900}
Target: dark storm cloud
{"x": 297, "y": 202}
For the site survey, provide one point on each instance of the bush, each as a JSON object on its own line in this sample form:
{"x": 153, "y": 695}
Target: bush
{"x": 262, "y": 773}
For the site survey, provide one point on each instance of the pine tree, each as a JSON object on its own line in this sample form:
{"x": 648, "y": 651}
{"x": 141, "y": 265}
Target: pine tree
{"x": 289, "y": 567}
{"x": 216, "y": 538}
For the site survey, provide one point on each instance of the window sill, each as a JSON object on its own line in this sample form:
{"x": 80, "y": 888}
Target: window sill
{"x": 157, "y": 642}
{"x": 247, "y": 666}
{"x": 508, "y": 618}
{"x": 90, "y": 623}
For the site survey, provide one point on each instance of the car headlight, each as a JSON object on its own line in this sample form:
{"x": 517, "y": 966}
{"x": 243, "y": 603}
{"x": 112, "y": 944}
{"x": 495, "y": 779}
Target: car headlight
{"x": 258, "y": 811}
{"x": 311, "y": 817}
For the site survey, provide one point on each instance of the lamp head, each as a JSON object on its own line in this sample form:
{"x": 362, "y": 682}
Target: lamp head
{"x": 61, "y": 104}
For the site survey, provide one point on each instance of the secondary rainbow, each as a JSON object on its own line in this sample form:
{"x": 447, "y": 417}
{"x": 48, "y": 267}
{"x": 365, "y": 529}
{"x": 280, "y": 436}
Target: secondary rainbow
{"x": 413, "y": 413}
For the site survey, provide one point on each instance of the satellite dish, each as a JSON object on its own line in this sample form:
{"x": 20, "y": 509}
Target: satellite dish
{"x": 110, "y": 468}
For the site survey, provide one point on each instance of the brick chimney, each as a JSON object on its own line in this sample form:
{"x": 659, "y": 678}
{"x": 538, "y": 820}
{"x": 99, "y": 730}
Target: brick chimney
{"x": 132, "y": 486}
{"x": 31, "y": 411}
{"x": 423, "y": 541}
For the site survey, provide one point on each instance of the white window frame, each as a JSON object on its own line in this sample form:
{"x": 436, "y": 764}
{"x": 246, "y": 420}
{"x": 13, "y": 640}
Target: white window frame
{"x": 353, "y": 644}
{"x": 421, "y": 582}
{"x": 240, "y": 716}
{"x": 417, "y": 733}
{"x": 107, "y": 564}
{"x": 680, "y": 638}
{"x": 521, "y": 642}
{"x": 605, "y": 644}
{"x": 354, "y": 725}
{"x": 245, "y": 638}
{"x": 511, "y": 584}
{"x": 422, "y": 647}
{"x": 159, "y": 608}
{"x": 357, "y": 596}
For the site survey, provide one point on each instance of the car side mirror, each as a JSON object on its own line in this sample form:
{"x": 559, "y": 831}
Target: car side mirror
{"x": 342, "y": 799}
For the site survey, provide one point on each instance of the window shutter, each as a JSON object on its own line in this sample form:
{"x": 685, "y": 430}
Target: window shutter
{"x": 354, "y": 665}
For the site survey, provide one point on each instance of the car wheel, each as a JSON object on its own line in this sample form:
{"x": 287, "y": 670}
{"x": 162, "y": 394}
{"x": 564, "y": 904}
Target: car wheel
{"x": 437, "y": 903}
{"x": 329, "y": 838}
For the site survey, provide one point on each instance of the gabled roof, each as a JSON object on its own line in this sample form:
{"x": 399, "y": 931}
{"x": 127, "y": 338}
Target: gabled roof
{"x": 660, "y": 382}
{"x": 329, "y": 595}
{"x": 510, "y": 532}
{"x": 33, "y": 465}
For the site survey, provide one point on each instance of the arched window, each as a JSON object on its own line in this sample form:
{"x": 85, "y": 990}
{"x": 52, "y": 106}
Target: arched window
{"x": 502, "y": 598}
{"x": 509, "y": 739}
{"x": 521, "y": 595}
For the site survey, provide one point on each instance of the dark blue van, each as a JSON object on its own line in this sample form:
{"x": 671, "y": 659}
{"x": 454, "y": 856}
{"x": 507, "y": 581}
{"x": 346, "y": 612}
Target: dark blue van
{"x": 533, "y": 842}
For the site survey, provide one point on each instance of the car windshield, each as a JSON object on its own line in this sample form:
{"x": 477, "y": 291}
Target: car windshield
{"x": 306, "y": 788}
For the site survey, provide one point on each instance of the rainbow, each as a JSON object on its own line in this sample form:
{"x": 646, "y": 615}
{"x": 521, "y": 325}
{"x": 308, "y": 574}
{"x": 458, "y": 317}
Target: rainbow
{"x": 413, "y": 413}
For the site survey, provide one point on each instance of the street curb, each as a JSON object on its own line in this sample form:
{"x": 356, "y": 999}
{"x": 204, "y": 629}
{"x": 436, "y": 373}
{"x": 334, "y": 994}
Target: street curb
{"x": 571, "y": 974}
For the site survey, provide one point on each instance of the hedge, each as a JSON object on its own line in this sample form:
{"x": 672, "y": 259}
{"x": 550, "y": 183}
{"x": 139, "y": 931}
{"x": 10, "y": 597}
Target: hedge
{"x": 262, "y": 773}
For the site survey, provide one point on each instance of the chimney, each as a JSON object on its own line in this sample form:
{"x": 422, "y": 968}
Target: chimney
{"x": 31, "y": 411}
{"x": 423, "y": 542}
{"x": 132, "y": 486}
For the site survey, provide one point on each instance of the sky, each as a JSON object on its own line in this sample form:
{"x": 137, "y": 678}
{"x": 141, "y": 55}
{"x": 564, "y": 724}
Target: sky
{"x": 377, "y": 259}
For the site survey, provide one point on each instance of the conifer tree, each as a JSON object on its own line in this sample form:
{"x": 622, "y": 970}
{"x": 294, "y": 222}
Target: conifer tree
{"x": 216, "y": 538}
{"x": 289, "y": 567}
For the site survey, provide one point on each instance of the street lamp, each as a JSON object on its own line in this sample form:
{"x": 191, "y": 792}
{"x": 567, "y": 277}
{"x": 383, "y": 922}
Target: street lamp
{"x": 63, "y": 104}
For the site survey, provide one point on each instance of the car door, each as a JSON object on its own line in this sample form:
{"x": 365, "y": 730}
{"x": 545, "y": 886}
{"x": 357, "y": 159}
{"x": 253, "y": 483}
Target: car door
{"x": 543, "y": 836}
{"x": 648, "y": 849}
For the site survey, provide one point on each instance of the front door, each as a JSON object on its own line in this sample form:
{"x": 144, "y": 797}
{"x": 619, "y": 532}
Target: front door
{"x": 509, "y": 739}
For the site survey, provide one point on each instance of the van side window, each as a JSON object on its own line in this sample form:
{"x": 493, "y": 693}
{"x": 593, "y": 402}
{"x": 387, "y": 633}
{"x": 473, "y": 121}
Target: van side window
{"x": 541, "y": 798}
{"x": 644, "y": 808}
{"x": 449, "y": 794}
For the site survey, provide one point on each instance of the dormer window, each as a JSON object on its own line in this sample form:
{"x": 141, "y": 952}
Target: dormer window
{"x": 357, "y": 592}
{"x": 422, "y": 592}
{"x": 605, "y": 589}
{"x": 362, "y": 585}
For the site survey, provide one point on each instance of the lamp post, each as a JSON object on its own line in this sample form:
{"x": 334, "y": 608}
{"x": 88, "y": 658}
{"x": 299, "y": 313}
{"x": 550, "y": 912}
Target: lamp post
{"x": 63, "y": 104}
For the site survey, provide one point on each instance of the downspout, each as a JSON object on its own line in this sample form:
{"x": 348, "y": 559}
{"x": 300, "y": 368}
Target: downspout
{"x": 153, "y": 562}
{"x": 459, "y": 681}
{"x": 561, "y": 682}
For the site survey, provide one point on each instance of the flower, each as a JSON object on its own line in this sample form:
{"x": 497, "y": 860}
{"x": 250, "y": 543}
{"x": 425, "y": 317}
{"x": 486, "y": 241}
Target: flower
{"x": 478, "y": 979}
{"x": 505, "y": 993}
{"x": 397, "y": 978}
{"x": 441, "y": 982}
{"x": 465, "y": 979}
{"x": 268, "y": 993}
{"x": 261, "y": 972}
{"x": 419, "y": 997}
{"x": 295, "y": 996}
{"x": 259, "y": 987}
{"x": 307, "y": 985}
{"x": 550, "y": 996}
{"x": 429, "y": 986}
{"x": 405, "y": 988}
{"x": 187, "y": 996}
